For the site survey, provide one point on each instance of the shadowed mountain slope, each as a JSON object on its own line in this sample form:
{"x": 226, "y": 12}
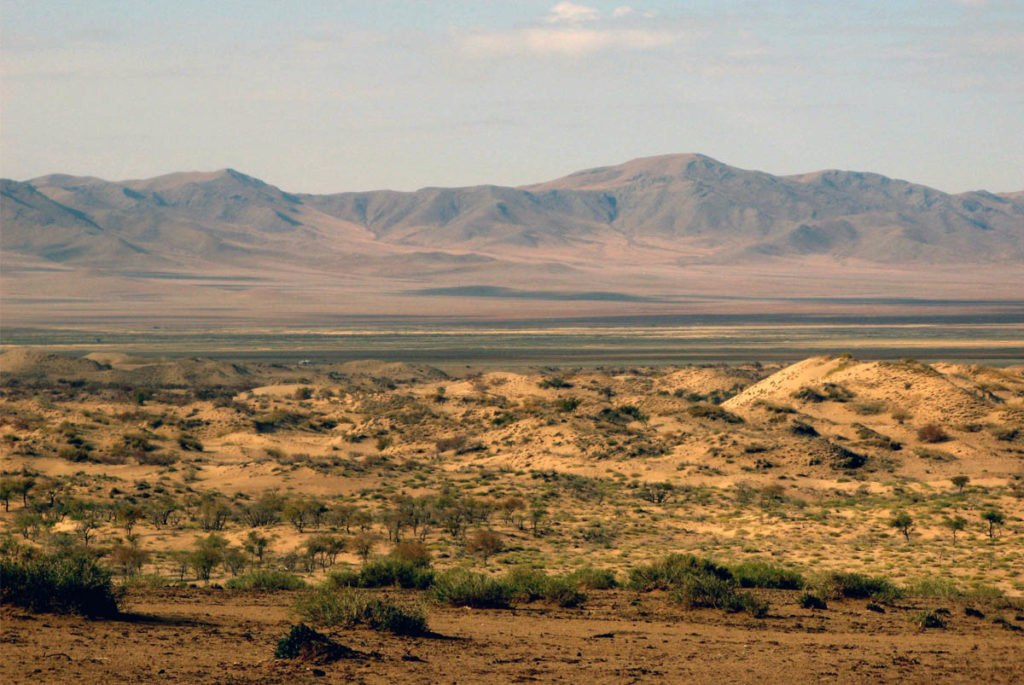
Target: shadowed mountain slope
{"x": 671, "y": 204}
{"x": 651, "y": 234}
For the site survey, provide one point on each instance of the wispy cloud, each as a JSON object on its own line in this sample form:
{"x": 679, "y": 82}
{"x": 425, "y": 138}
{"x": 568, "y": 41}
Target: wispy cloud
{"x": 571, "y": 30}
{"x": 566, "y": 42}
{"x": 571, "y": 12}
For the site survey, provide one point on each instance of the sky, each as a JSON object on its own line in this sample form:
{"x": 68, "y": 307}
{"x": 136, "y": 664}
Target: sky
{"x": 328, "y": 96}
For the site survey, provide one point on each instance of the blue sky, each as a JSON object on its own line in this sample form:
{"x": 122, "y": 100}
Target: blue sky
{"x": 332, "y": 96}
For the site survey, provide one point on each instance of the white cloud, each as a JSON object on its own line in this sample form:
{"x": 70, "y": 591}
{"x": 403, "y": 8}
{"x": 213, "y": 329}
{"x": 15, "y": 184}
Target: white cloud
{"x": 626, "y": 11}
{"x": 973, "y": 3}
{"x": 571, "y": 12}
{"x": 567, "y": 42}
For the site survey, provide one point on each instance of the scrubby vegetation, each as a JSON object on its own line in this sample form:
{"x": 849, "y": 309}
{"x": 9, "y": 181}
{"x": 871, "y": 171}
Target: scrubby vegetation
{"x": 72, "y": 584}
{"x": 349, "y": 607}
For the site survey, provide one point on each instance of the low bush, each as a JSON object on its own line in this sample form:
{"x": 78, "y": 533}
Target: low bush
{"x": 671, "y": 571}
{"x": 928, "y": 619}
{"x": 302, "y": 642}
{"x": 812, "y": 601}
{"x": 266, "y": 580}
{"x": 696, "y": 583}
{"x": 767, "y": 575}
{"x": 713, "y": 412}
{"x": 529, "y": 585}
{"x": 932, "y": 433}
{"x": 350, "y": 607}
{"x": 587, "y": 578}
{"x": 459, "y": 587}
{"x": 710, "y": 591}
{"x": 838, "y": 585}
{"x": 64, "y": 585}
{"x": 932, "y": 587}
{"x": 389, "y": 572}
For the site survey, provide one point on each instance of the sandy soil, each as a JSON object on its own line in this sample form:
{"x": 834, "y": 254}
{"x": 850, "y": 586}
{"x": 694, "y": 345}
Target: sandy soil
{"x": 208, "y": 635}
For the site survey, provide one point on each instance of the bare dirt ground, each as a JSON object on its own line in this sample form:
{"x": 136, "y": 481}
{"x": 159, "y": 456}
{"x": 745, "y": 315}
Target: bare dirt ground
{"x": 213, "y": 636}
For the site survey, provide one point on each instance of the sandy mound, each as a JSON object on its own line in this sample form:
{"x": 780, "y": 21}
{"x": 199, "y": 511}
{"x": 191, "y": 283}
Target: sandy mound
{"x": 705, "y": 380}
{"x": 188, "y": 372}
{"x": 22, "y": 361}
{"x": 395, "y": 371}
{"x": 119, "y": 360}
{"x": 905, "y": 386}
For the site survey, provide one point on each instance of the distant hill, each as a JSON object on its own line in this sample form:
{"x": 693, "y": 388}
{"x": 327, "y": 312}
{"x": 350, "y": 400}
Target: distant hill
{"x": 633, "y": 230}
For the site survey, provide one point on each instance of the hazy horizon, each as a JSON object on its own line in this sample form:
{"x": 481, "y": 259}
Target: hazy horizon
{"x": 355, "y": 96}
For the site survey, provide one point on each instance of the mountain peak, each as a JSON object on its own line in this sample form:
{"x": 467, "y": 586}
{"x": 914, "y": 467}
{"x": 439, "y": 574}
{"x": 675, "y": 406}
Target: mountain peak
{"x": 665, "y": 168}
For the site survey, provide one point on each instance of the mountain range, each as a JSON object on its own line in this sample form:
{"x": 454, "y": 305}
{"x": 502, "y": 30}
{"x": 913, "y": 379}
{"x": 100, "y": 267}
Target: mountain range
{"x": 651, "y": 229}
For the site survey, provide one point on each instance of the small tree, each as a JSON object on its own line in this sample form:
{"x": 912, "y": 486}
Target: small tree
{"x": 363, "y": 544}
{"x": 128, "y": 515}
{"x": 960, "y": 482}
{"x": 234, "y": 560}
{"x": 208, "y": 553}
{"x": 484, "y": 542}
{"x": 903, "y": 523}
{"x": 88, "y": 521}
{"x": 955, "y": 524}
{"x": 213, "y": 513}
{"x": 537, "y": 514}
{"x": 256, "y": 545}
{"x": 129, "y": 558}
{"x": 7, "y": 489}
{"x": 994, "y": 517}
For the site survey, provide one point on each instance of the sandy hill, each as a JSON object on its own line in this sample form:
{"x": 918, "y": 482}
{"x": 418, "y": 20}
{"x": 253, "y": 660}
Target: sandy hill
{"x": 825, "y": 385}
{"x": 31, "y": 363}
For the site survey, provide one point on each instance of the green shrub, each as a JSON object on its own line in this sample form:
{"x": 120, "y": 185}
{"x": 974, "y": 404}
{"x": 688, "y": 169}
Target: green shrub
{"x": 350, "y": 607}
{"x": 524, "y": 584}
{"x": 696, "y": 583}
{"x": 386, "y": 573}
{"x": 64, "y": 585}
{"x": 767, "y": 575}
{"x": 459, "y": 587}
{"x": 530, "y": 585}
{"x": 593, "y": 579}
{"x": 671, "y": 571}
{"x": 562, "y": 590}
{"x": 932, "y": 587}
{"x": 837, "y": 585}
{"x": 710, "y": 591}
{"x": 266, "y": 580}
{"x": 812, "y": 601}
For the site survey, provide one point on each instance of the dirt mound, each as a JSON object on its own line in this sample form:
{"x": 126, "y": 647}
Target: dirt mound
{"x": 118, "y": 360}
{"x": 27, "y": 362}
{"x": 186, "y": 372}
{"x": 394, "y": 371}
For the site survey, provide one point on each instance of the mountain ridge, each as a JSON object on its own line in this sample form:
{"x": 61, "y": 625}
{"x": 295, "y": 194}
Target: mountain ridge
{"x": 645, "y": 231}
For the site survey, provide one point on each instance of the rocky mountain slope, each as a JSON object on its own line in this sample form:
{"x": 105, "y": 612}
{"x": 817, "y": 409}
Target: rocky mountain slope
{"x": 672, "y": 204}
{"x": 654, "y": 229}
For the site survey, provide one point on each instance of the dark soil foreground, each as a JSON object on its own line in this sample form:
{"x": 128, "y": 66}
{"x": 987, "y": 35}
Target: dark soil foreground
{"x": 200, "y": 635}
